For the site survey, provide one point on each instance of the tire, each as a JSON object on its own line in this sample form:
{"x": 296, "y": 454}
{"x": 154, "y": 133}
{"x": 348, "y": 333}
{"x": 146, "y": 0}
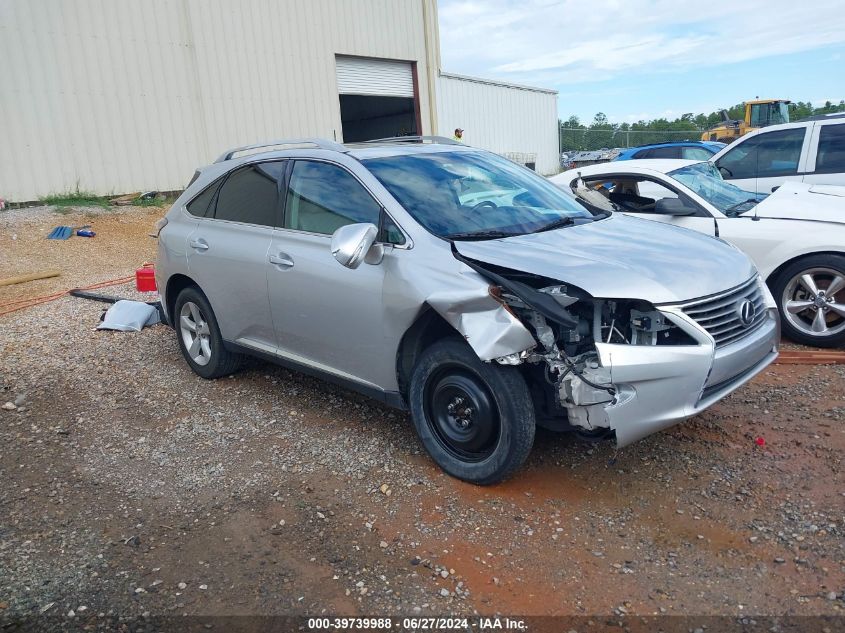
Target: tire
{"x": 210, "y": 358}
{"x": 810, "y": 314}
{"x": 486, "y": 441}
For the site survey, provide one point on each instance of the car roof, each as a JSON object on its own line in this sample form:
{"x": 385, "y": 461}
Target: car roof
{"x": 363, "y": 151}
{"x": 640, "y": 165}
{"x": 712, "y": 144}
{"x": 662, "y": 165}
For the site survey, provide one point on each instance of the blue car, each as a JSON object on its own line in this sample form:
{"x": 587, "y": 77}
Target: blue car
{"x": 689, "y": 150}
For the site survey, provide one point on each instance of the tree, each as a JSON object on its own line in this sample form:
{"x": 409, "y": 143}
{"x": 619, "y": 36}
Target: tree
{"x": 574, "y": 135}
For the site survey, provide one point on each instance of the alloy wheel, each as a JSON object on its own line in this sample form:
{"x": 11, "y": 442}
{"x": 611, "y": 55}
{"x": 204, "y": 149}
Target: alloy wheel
{"x": 814, "y": 302}
{"x": 196, "y": 335}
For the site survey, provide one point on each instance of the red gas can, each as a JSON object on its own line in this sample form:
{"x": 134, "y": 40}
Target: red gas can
{"x": 145, "y": 278}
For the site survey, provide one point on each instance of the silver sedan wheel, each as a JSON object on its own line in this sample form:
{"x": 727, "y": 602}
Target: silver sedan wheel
{"x": 814, "y": 302}
{"x": 196, "y": 335}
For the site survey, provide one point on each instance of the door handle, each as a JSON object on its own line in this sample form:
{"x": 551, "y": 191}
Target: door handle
{"x": 199, "y": 244}
{"x": 282, "y": 260}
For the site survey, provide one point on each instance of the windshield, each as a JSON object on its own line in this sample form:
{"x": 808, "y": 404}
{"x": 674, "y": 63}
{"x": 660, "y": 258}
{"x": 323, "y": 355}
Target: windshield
{"x": 705, "y": 180}
{"x": 763, "y": 114}
{"x": 475, "y": 194}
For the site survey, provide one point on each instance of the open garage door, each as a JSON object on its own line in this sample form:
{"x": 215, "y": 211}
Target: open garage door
{"x": 378, "y": 98}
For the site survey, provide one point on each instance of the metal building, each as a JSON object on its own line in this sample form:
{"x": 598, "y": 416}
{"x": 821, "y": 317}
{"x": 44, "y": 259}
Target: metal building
{"x": 516, "y": 121}
{"x": 114, "y": 96}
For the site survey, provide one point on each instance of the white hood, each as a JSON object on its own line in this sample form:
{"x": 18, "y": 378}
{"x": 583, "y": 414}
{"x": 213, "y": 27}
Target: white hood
{"x": 803, "y": 201}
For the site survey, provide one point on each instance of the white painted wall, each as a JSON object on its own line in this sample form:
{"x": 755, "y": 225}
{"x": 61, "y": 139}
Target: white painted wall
{"x": 115, "y": 96}
{"x": 502, "y": 118}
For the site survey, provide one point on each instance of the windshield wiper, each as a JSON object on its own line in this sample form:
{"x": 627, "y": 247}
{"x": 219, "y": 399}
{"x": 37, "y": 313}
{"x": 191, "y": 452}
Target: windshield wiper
{"x": 478, "y": 235}
{"x": 557, "y": 224}
{"x": 732, "y": 210}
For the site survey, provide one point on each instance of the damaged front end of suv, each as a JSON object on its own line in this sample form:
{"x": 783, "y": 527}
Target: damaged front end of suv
{"x": 624, "y": 368}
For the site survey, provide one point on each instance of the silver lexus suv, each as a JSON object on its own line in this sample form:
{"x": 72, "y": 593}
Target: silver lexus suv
{"x": 451, "y": 282}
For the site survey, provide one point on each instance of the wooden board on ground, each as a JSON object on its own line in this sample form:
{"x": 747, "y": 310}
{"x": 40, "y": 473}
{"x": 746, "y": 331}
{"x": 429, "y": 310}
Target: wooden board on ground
{"x": 811, "y": 357}
{"x": 20, "y": 279}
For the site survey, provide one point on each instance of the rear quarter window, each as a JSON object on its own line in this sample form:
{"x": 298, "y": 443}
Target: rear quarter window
{"x": 199, "y": 205}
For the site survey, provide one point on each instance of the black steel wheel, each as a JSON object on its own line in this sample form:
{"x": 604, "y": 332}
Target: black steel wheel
{"x": 475, "y": 419}
{"x": 461, "y": 413}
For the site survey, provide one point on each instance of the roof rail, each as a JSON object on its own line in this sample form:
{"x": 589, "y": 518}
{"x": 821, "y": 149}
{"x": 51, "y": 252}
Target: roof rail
{"x": 822, "y": 117}
{"x": 416, "y": 139}
{"x": 269, "y": 145}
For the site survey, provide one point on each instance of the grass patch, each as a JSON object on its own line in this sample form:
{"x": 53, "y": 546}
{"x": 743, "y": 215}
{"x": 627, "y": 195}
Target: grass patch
{"x": 75, "y": 199}
{"x": 158, "y": 201}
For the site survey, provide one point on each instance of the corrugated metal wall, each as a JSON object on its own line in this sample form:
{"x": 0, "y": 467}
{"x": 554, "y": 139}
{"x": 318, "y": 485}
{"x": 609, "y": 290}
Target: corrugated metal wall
{"x": 501, "y": 118}
{"x": 115, "y": 96}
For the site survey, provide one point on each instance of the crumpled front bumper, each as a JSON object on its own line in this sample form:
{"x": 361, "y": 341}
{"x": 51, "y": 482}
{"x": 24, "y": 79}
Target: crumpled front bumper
{"x": 657, "y": 386}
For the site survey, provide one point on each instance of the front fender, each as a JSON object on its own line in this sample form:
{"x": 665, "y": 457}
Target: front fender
{"x": 489, "y": 329}
{"x": 786, "y": 253}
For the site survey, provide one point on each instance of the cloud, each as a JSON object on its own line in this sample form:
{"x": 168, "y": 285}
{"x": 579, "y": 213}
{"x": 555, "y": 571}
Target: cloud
{"x": 575, "y": 41}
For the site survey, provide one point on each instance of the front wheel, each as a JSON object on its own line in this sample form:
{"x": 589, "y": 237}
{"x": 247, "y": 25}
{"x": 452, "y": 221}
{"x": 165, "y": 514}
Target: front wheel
{"x": 475, "y": 419}
{"x": 811, "y": 299}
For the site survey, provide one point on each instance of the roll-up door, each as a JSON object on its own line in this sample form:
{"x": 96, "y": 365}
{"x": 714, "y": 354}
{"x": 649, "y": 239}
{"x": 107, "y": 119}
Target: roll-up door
{"x": 375, "y": 77}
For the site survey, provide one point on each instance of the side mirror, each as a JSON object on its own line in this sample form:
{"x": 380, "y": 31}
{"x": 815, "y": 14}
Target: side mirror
{"x": 673, "y": 206}
{"x": 775, "y": 188}
{"x": 352, "y": 243}
{"x": 726, "y": 173}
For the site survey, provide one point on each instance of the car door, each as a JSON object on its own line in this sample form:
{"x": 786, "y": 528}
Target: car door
{"x": 327, "y": 315}
{"x": 632, "y": 192}
{"x": 826, "y": 163}
{"x": 227, "y": 251}
{"x": 766, "y": 160}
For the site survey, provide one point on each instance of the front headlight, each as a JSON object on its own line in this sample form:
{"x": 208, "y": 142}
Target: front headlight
{"x": 633, "y": 322}
{"x": 768, "y": 299}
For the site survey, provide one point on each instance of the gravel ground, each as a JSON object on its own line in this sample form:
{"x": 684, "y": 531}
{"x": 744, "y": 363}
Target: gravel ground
{"x": 132, "y": 487}
{"x": 120, "y": 246}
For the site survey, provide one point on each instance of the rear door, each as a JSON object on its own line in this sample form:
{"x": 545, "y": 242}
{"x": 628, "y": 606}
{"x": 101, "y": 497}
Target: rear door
{"x": 826, "y": 163}
{"x": 227, "y": 252}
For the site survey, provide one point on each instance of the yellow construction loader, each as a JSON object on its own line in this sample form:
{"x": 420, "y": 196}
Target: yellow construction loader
{"x": 758, "y": 113}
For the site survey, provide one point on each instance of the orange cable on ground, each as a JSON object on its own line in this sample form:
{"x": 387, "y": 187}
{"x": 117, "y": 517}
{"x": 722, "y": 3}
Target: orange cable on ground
{"x": 20, "y": 304}
{"x": 786, "y": 357}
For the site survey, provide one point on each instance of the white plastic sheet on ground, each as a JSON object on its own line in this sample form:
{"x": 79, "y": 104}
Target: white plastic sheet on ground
{"x": 129, "y": 316}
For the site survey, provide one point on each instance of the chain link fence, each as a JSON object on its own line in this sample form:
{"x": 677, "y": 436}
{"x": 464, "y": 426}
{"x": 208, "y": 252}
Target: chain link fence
{"x": 585, "y": 139}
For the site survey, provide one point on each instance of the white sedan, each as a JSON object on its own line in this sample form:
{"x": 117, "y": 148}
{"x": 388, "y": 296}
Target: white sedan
{"x": 796, "y": 235}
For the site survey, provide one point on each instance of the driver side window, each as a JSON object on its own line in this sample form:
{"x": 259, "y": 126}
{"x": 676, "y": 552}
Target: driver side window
{"x": 635, "y": 195}
{"x": 323, "y": 197}
{"x": 765, "y": 155}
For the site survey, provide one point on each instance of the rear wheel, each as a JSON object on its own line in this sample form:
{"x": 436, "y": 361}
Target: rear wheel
{"x": 199, "y": 336}
{"x": 475, "y": 419}
{"x": 811, "y": 298}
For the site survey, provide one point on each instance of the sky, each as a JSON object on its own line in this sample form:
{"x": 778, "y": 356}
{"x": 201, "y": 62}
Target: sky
{"x": 645, "y": 59}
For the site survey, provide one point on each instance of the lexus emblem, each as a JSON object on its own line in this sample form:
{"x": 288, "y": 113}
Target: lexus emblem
{"x": 746, "y": 312}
